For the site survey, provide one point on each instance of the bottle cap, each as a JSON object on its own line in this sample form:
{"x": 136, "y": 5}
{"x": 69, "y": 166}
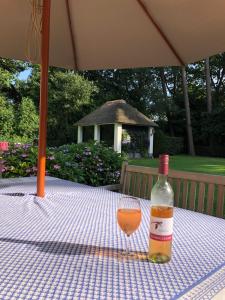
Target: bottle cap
{"x": 163, "y": 164}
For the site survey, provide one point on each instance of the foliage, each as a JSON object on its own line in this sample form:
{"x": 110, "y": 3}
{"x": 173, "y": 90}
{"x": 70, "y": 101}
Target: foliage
{"x": 99, "y": 164}
{"x": 139, "y": 87}
{"x": 10, "y": 98}
{"x": 6, "y": 119}
{"x": 18, "y": 124}
{"x": 70, "y": 98}
{"x": 144, "y": 89}
{"x": 27, "y": 119}
{"x": 19, "y": 160}
{"x": 9, "y": 70}
{"x": 156, "y": 92}
{"x": 92, "y": 164}
{"x": 5, "y": 78}
{"x": 135, "y": 140}
{"x": 167, "y": 144}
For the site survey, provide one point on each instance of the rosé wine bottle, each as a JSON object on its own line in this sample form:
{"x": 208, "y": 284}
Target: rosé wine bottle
{"x": 161, "y": 215}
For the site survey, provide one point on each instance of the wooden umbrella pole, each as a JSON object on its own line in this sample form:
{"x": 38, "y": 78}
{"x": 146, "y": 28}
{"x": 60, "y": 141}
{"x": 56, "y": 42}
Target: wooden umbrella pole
{"x": 45, "y": 32}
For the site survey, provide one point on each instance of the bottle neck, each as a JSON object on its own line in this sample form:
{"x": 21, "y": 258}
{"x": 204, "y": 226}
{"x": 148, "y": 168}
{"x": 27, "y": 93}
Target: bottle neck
{"x": 162, "y": 178}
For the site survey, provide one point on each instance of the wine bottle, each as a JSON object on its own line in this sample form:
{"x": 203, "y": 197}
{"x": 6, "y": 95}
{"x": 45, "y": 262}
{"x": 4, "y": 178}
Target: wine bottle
{"x": 161, "y": 215}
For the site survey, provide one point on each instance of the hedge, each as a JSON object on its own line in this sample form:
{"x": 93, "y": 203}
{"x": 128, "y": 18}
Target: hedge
{"x": 167, "y": 144}
{"x": 216, "y": 151}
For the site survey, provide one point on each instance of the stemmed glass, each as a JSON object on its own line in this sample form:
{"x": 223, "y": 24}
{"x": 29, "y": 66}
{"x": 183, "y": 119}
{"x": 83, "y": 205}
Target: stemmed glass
{"x": 128, "y": 218}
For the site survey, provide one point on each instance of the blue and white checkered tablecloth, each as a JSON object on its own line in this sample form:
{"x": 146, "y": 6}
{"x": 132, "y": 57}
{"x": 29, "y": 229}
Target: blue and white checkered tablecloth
{"x": 66, "y": 247}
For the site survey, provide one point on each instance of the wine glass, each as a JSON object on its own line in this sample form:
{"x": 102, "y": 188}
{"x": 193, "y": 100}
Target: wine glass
{"x": 128, "y": 218}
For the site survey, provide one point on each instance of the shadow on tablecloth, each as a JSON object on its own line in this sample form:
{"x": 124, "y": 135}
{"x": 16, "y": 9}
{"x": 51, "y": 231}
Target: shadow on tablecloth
{"x": 65, "y": 248}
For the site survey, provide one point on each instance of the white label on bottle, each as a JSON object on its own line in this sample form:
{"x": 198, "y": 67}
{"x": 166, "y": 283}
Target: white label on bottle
{"x": 161, "y": 229}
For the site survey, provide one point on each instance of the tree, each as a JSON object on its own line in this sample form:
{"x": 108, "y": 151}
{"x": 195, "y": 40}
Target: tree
{"x": 168, "y": 101}
{"x": 208, "y": 86}
{"x": 5, "y": 79}
{"x": 191, "y": 148}
{"x": 6, "y": 118}
{"x": 209, "y": 98}
{"x": 69, "y": 99}
{"x": 217, "y": 73}
{"x": 156, "y": 92}
{"x": 139, "y": 87}
{"x": 27, "y": 119}
{"x": 9, "y": 70}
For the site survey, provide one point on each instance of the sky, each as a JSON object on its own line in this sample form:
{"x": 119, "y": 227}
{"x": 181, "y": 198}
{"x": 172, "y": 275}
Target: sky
{"x": 24, "y": 75}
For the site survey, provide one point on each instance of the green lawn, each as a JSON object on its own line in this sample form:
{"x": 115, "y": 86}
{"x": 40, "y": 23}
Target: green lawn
{"x": 207, "y": 165}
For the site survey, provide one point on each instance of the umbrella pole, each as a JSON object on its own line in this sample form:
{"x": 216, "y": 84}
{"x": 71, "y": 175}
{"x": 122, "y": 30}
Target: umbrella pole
{"x": 43, "y": 106}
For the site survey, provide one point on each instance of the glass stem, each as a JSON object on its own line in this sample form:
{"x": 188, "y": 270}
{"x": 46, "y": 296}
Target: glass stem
{"x": 127, "y": 245}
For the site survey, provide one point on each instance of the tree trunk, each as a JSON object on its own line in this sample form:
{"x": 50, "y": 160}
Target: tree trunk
{"x": 208, "y": 86}
{"x": 209, "y": 98}
{"x": 163, "y": 82}
{"x": 191, "y": 148}
{"x": 167, "y": 100}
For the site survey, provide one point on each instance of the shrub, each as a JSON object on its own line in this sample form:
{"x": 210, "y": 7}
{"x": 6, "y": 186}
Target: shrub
{"x": 92, "y": 164}
{"x": 100, "y": 165}
{"x": 167, "y": 144}
{"x": 19, "y": 160}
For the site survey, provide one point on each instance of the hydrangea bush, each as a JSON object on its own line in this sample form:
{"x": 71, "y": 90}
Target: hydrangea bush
{"x": 100, "y": 165}
{"x": 19, "y": 160}
{"x": 93, "y": 164}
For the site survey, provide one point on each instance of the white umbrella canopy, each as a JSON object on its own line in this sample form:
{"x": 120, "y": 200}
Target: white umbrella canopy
{"x": 102, "y": 34}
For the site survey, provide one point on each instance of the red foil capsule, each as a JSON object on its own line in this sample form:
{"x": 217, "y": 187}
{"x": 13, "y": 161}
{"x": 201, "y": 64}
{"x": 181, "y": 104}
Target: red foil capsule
{"x": 163, "y": 164}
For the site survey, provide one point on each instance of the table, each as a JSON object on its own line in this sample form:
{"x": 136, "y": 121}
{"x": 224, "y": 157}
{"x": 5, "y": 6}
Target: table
{"x": 66, "y": 247}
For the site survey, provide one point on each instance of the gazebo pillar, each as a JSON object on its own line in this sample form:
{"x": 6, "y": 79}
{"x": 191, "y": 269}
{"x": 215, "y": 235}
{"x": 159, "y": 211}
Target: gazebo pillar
{"x": 97, "y": 133}
{"x": 150, "y": 138}
{"x": 117, "y": 137}
{"x": 79, "y": 134}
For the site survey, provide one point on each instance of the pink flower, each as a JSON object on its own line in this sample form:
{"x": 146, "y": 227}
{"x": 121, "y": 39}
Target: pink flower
{"x": 56, "y": 167}
{"x": 2, "y": 170}
{"x": 26, "y": 146}
{"x": 18, "y": 145}
{"x": 24, "y": 155}
{"x": 51, "y": 157}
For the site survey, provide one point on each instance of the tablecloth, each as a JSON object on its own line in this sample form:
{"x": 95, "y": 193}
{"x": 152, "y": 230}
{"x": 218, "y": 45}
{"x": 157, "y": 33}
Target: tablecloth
{"x": 66, "y": 246}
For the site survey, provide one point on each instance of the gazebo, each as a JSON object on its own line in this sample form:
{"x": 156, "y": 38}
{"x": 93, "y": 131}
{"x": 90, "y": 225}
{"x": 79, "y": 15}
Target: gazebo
{"x": 119, "y": 114}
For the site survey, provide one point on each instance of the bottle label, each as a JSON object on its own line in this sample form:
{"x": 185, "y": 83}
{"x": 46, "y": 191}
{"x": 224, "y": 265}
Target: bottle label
{"x": 161, "y": 229}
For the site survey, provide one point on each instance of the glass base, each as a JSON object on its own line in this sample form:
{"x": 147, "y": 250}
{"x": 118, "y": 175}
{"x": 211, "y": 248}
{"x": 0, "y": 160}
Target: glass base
{"x": 159, "y": 258}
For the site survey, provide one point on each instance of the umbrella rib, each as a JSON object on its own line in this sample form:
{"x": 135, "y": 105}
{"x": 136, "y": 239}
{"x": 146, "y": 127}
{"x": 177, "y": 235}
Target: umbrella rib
{"x": 72, "y": 35}
{"x": 163, "y": 35}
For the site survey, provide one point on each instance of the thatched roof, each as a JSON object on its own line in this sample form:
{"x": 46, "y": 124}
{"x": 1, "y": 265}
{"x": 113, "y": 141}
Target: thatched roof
{"x": 117, "y": 111}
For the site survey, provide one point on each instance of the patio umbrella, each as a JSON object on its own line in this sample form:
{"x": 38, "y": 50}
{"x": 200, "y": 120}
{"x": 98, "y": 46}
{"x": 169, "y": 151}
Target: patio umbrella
{"x": 101, "y": 34}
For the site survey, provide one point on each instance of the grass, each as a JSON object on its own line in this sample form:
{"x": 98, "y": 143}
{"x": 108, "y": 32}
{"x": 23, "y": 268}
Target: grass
{"x": 199, "y": 164}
